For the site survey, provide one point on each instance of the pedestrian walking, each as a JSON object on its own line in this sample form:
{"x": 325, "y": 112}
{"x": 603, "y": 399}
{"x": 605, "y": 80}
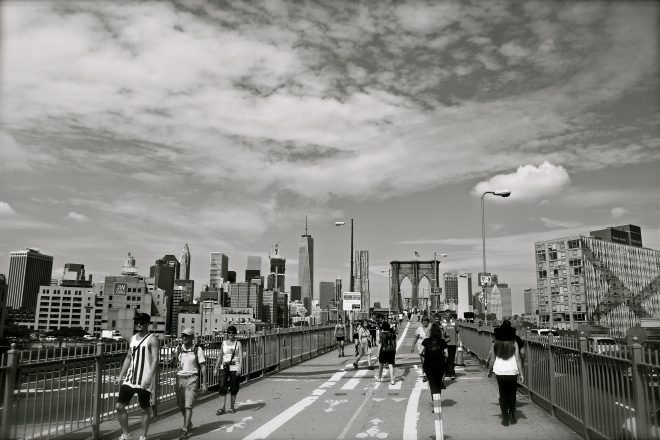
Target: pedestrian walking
{"x": 228, "y": 368}
{"x": 138, "y": 373}
{"x": 451, "y": 334}
{"x": 363, "y": 345}
{"x": 386, "y": 352}
{"x": 190, "y": 377}
{"x": 504, "y": 360}
{"x": 340, "y": 335}
{"x": 435, "y": 357}
{"x": 420, "y": 334}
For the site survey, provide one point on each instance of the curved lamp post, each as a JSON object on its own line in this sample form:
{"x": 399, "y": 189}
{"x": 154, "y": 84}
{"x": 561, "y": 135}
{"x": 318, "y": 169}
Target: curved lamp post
{"x": 352, "y": 281}
{"x": 499, "y": 193}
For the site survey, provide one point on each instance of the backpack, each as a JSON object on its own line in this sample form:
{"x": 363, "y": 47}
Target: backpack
{"x": 433, "y": 351}
{"x": 389, "y": 343}
{"x": 195, "y": 350}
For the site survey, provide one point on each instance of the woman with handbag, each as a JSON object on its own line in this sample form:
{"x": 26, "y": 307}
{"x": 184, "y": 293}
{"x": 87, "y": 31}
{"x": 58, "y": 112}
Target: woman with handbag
{"x": 504, "y": 361}
{"x": 228, "y": 367}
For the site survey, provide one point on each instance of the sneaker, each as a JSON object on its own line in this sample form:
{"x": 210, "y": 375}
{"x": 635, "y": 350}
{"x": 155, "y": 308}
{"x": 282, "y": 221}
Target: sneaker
{"x": 125, "y": 437}
{"x": 355, "y": 365}
{"x": 142, "y": 437}
{"x": 452, "y": 377}
{"x": 505, "y": 421}
{"x": 184, "y": 434}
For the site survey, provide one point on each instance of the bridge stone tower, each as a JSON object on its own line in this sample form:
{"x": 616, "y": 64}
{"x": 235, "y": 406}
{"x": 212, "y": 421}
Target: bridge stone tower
{"x": 415, "y": 270}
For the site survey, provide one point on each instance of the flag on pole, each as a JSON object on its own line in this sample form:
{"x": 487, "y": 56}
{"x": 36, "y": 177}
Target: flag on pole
{"x": 416, "y": 254}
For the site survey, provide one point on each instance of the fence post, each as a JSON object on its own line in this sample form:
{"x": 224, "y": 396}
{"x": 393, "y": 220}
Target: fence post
{"x": 10, "y": 382}
{"x": 526, "y": 362}
{"x": 584, "y": 381}
{"x": 279, "y": 348}
{"x": 551, "y": 374}
{"x": 264, "y": 339}
{"x": 98, "y": 388}
{"x": 641, "y": 410}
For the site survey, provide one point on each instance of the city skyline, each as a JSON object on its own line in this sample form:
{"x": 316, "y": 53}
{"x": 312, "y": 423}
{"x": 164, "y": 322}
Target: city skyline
{"x": 254, "y": 117}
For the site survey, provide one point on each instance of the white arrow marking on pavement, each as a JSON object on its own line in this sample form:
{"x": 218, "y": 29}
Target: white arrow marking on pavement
{"x": 333, "y": 403}
{"x": 378, "y": 399}
{"x": 230, "y": 428}
{"x": 398, "y": 399}
{"x": 375, "y": 421}
{"x": 396, "y": 386}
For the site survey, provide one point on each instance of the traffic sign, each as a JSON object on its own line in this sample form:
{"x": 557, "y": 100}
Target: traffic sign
{"x": 485, "y": 279}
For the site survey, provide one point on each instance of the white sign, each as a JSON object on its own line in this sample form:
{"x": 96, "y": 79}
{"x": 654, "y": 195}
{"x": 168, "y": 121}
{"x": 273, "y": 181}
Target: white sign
{"x": 485, "y": 279}
{"x": 352, "y": 301}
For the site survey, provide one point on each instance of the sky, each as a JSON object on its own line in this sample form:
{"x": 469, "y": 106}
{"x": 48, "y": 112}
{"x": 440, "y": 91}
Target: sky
{"x": 140, "y": 127}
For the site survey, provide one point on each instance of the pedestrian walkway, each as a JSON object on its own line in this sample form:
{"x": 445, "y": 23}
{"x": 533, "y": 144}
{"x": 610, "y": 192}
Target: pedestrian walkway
{"x": 326, "y": 398}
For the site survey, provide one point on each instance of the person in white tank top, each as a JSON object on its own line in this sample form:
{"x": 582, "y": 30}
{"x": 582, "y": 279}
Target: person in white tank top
{"x": 137, "y": 375}
{"x": 504, "y": 361}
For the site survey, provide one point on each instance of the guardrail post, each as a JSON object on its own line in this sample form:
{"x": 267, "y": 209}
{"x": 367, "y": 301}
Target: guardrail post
{"x": 10, "y": 382}
{"x": 551, "y": 374}
{"x": 584, "y": 381}
{"x": 264, "y": 339}
{"x": 98, "y": 388}
{"x": 278, "y": 350}
{"x": 526, "y": 362}
{"x": 641, "y": 410}
{"x": 249, "y": 357}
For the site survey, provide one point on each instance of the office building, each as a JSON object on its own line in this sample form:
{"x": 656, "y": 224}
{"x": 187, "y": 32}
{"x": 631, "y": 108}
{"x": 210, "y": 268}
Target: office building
{"x": 305, "y": 267}
{"x": 182, "y": 293}
{"x": 253, "y": 269}
{"x": 28, "y": 270}
{"x": 270, "y": 306}
{"x": 164, "y": 272}
{"x": 339, "y": 297}
{"x": 450, "y": 286}
{"x": 231, "y": 277}
{"x": 3, "y": 304}
{"x": 361, "y": 278}
{"x": 74, "y": 276}
{"x": 244, "y": 295}
{"x": 277, "y": 272}
{"x": 130, "y": 267}
{"x": 219, "y": 269}
{"x": 531, "y": 299}
{"x": 624, "y": 234}
{"x": 283, "y": 310}
{"x": 584, "y": 279}
{"x": 296, "y": 293}
{"x": 464, "y": 293}
{"x": 327, "y": 294}
{"x": 185, "y": 263}
{"x": 123, "y": 296}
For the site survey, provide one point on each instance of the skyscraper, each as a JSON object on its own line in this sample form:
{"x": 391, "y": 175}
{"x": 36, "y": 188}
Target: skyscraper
{"x": 361, "y": 277}
{"x": 327, "y": 294}
{"x": 277, "y": 271}
{"x": 185, "y": 263}
{"x": 339, "y": 297}
{"x": 295, "y": 293}
{"x": 531, "y": 298}
{"x": 306, "y": 267}
{"x": 3, "y": 303}
{"x": 219, "y": 269}
{"x": 28, "y": 269}
{"x": 253, "y": 270}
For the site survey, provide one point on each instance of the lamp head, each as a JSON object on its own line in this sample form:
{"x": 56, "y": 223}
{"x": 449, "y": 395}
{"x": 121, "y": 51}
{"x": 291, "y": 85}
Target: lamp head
{"x": 502, "y": 193}
{"x": 340, "y": 223}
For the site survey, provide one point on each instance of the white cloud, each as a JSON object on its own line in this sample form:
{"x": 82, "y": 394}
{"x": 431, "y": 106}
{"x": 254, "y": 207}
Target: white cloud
{"x": 554, "y": 223}
{"x": 528, "y": 182}
{"x": 6, "y": 209}
{"x": 77, "y": 217}
{"x": 618, "y": 212}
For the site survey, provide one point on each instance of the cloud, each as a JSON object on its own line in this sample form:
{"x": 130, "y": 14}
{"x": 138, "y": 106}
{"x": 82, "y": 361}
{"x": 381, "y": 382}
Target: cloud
{"x": 528, "y": 182}
{"x": 618, "y": 212}
{"x": 6, "y": 209}
{"x": 554, "y": 223}
{"x": 77, "y": 217}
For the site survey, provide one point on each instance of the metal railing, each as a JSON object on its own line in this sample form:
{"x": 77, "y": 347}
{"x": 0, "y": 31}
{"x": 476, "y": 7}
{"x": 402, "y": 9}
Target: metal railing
{"x": 608, "y": 393}
{"x": 54, "y": 392}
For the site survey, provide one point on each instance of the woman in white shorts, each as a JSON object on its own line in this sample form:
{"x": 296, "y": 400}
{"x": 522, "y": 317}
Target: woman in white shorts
{"x": 420, "y": 334}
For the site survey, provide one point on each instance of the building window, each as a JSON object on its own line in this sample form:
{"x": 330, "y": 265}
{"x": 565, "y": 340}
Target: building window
{"x": 574, "y": 244}
{"x": 183, "y": 320}
{"x": 543, "y": 274}
{"x": 575, "y": 262}
{"x": 577, "y": 270}
{"x": 540, "y": 255}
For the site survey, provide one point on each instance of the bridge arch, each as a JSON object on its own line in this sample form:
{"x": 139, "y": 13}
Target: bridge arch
{"x": 415, "y": 271}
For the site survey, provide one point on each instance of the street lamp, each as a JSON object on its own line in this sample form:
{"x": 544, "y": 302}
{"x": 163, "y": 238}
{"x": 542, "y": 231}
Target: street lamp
{"x": 499, "y": 193}
{"x": 351, "y": 283}
{"x": 389, "y": 291}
